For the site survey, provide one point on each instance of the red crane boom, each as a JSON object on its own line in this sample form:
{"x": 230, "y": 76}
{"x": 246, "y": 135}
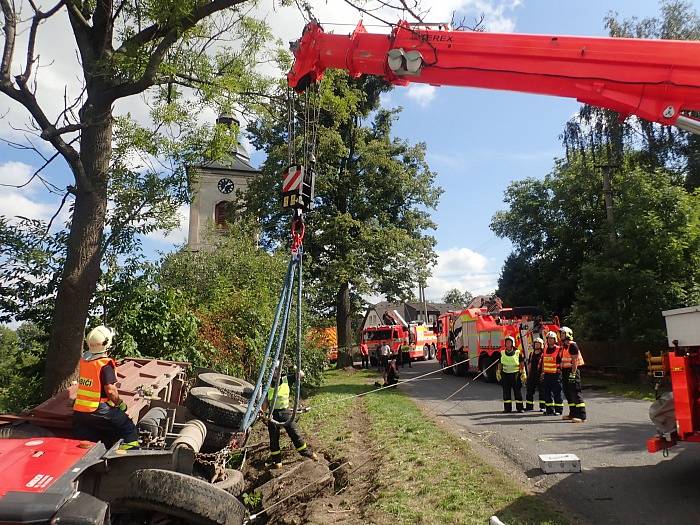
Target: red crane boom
{"x": 657, "y": 80}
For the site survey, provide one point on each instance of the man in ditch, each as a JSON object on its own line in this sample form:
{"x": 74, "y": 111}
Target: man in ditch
{"x": 280, "y": 416}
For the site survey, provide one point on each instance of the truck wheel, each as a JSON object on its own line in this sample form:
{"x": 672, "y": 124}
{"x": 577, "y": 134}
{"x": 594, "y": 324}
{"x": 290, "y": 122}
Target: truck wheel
{"x": 23, "y": 430}
{"x": 233, "y": 484}
{"x": 208, "y": 403}
{"x": 490, "y": 374}
{"x": 227, "y": 384}
{"x": 181, "y": 496}
{"x": 433, "y": 352}
{"x": 426, "y": 353}
{"x": 217, "y": 437}
{"x": 444, "y": 364}
{"x": 461, "y": 370}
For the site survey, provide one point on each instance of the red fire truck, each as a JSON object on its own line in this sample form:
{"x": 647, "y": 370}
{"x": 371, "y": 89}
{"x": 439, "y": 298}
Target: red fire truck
{"x": 420, "y": 339}
{"x": 475, "y": 338}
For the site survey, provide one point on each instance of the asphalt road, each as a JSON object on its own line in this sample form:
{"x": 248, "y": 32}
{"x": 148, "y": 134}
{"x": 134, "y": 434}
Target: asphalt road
{"x": 621, "y": 482}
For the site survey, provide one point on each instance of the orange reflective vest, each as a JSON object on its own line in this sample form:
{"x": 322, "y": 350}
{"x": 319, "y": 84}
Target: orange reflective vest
{"x": 89, "y": 394}
{"x": 566, "y": 360}
{"x": 549, "y": 361}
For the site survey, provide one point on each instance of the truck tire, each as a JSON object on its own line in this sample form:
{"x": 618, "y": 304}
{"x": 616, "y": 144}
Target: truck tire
{"x": 444, "y": 364}
{"x": 233, "y": 484}
{"x": 227, "y": 384}
{"x": 209, "y": 403}
{"x": 179, "y": 495}
{"x": 490, "y": 375}
{"x": 426, "y": 353}
{"x": 217, "y": 437}
{"x": 433, "y": 352}
{"x": 461, "y": 370}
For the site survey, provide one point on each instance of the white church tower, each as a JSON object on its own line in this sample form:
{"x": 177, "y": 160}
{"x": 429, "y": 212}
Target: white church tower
{"x": 215, "y": 185}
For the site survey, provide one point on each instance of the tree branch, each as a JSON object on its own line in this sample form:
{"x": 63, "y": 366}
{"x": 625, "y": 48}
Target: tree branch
{"x": 10, "y": 30}
{"x": 38, "y": 17}
{"x": 169, "y": 34}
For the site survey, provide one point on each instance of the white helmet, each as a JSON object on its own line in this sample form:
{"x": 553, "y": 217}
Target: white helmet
{"x": 551, "y": 334}
{"x": 568, "y": 332}
{"x": 538, "y": 340}
{"x": 512, "y": 339}
{"x": 99, "y": 339}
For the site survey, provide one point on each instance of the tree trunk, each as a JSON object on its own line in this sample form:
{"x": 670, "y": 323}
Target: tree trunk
{"x": 82, "y": 267}
{"x": 343, "y": 321}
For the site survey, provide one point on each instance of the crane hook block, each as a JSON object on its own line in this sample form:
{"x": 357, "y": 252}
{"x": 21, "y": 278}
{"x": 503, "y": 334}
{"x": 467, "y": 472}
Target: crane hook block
{"x": 298, "y": 188}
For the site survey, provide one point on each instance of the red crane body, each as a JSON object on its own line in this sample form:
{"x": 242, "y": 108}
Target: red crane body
{"x": 657, "y": 80}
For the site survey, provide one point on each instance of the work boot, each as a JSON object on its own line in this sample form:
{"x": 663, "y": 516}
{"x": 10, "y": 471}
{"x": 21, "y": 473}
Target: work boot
{"x": 567, "y": 418}
{"x": 577, "y": 420}
{"x": 309, "y": 454}
{"x": 273, "y": 464}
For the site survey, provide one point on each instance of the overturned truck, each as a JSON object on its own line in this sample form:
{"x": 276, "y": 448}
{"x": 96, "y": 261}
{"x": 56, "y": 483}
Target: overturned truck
{"x": 179, "y": 475}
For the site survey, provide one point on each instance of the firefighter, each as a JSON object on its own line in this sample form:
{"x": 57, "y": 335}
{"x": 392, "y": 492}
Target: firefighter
{"x": 391, "y": 373}
{"x": 364, "y": 355}
{"x": 534, "y": 377}
{"x": 571, "y": 360}
{"x": 99, "y": 414}
{"x": 511, "y": 373}
{"x": 551, "y": 376}
{"x": 280, "y": 412}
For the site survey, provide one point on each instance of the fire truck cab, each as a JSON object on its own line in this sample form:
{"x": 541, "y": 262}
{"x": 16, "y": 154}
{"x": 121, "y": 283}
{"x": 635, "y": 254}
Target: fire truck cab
{"x": 419, "y": 338}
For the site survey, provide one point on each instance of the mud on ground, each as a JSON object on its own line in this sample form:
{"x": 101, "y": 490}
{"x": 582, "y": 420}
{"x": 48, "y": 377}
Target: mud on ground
{"x": 341, "y": 483}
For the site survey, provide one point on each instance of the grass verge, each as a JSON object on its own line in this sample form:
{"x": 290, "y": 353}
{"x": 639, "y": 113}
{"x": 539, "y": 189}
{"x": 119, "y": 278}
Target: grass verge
{"x": 643, "y": 391}
{"x": 426, "y": 474}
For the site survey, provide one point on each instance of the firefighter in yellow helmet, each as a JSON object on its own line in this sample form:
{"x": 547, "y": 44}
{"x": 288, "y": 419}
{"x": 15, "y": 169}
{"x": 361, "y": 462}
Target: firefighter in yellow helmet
{"x": 99, "y": 414}
{"x": 511, "y": 373}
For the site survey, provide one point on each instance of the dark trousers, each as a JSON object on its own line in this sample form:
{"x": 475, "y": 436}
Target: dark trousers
{"x": 572, "y": 391}
{"x": 534, "y": 384}
{"x": 107, "y": 424}
{"x": 552, "y": 394}
{"x": 512, "y": 388}
{"x": 405, "y": 359}
{"x": 365, "y": 361}
{"x": 292, "y": 431}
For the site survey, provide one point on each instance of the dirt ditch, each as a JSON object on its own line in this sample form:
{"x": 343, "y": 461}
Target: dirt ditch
{"x": 340, "y": 485}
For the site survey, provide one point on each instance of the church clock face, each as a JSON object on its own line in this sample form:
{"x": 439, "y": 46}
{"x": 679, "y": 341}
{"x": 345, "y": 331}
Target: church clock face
{"x": 225, "y": 186}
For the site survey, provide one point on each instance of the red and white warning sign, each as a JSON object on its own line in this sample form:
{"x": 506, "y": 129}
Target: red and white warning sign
{"x": 292, "y": 178}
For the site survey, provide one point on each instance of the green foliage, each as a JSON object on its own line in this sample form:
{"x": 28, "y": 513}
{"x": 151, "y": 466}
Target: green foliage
{"x": 233, "y": 287}
{"x": 611, "y": 284}
{"x": 22, "y": 354}
{"x": 457, "y": 298}
{"x": 374, "y": 193}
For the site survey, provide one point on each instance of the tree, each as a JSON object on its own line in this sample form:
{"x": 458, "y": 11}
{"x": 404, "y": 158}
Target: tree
{"x": 171, "y": 51}
{"x": 457, "y": 298}
{"x": 367, "y": 231}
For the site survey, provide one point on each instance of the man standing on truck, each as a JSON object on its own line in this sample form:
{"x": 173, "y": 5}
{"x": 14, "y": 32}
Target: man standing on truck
{"x": 551, "y": 376}
{"x": 280, "y": 412}
{"x": 99, "y": 414}
{"x": 534, "y": 377}
{"x": 571, "y": 360}
{"x": 511, "y": 373}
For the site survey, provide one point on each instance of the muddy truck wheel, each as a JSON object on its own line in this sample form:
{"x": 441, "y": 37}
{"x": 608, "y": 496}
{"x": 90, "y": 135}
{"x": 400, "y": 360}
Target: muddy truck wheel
{"x": 233, "y": 484}
{"x": 227, "y": 384}
{"x": 23, "y": 430}
{"x": 209, "y": 403}
{"x": 217, "y": 437}
{"x": 181, "y": 496}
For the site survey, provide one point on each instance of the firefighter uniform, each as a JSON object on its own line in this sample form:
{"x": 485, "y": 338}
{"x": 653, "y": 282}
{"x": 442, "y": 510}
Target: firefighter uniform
{"x": 95, "y": 418}
{"x": 535, "y": 382}
{"x": 280, "y": 412}
{"x": 551, "y": 380}
{"x": 572, "y": 382}
{"x": 511, "y": 381}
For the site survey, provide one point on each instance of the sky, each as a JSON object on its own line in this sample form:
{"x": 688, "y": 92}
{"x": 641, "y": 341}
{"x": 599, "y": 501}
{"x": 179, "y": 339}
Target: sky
{"x": 478, "y": 141}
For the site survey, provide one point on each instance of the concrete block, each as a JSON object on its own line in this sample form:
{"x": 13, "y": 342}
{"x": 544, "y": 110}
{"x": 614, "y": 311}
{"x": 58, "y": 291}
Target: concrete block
{"x": 558, "y": 463}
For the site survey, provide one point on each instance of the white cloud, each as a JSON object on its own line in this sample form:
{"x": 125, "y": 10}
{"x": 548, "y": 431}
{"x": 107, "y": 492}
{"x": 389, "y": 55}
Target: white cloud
{"x": 177, "y": 236}
{"x": 18, "y": 202}
{"x": 423, "y": 94}
{"x": 12, "y": 172}
{"x": 461, "y": 268}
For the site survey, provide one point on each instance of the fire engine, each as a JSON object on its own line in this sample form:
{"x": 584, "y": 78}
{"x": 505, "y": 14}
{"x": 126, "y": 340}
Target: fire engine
{"x": 419, "y": 338}
{"x": 476, "y": 337}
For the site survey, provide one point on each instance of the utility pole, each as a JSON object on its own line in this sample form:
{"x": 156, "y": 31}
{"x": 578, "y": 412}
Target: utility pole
{"x": 421, "y": 298}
